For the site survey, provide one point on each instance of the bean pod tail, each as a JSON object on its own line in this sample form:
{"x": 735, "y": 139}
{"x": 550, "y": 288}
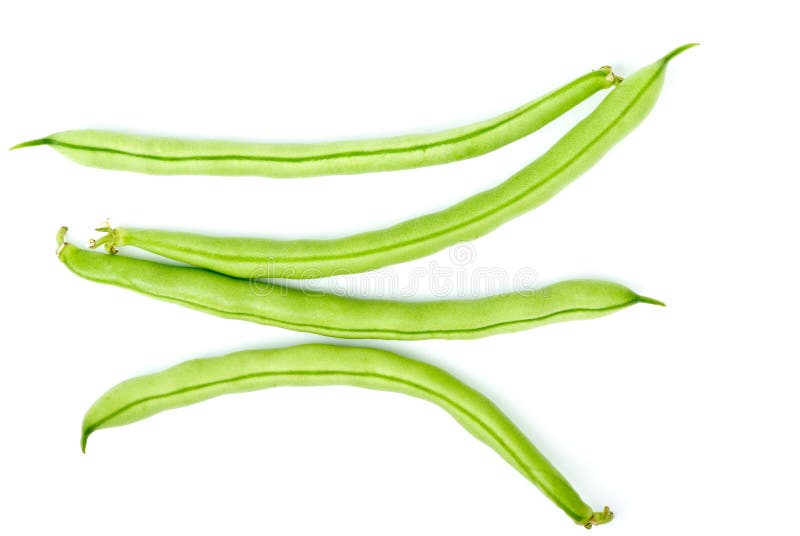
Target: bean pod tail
{"x": 316, "y": 364}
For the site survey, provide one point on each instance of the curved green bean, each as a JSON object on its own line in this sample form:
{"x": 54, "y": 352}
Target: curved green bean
{"x": 619, "y": 113}
{"x": 317, "y": 364}
{"x": 346, "y": 317}
{"x": 173, "y": 156}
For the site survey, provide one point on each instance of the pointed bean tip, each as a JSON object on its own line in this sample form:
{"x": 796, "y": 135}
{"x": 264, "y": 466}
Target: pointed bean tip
{"x": 84, "y": 438}
{"x": 677, "y": 51}
{"x": 30, "y": 143}
{"x": 652, "y": 301}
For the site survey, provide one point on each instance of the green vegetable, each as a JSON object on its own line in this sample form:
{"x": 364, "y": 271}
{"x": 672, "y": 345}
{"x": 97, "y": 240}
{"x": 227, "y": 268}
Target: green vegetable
{"x": 341, "y": 316}
{"x": 309, "y": 365}
{"x": 619, "y": 113}
{"x": 172, "y": 156}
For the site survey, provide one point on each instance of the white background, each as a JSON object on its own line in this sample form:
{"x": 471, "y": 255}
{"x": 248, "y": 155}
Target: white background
{"x": 682, "y": 419}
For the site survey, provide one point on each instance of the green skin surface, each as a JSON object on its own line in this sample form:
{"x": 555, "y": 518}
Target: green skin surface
{"x": 617, "y": 115}
{"x": 173, "y": 156}
{"x": 316, "y": 364}
{"x": 346, "y": 317}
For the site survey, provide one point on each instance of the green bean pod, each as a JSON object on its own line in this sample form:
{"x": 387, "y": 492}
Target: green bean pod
{"x": 174, "y": 156}
{"x": 317, "y": 364}
{"x": 618, "y": 114}
{"x": 346, "y": 317}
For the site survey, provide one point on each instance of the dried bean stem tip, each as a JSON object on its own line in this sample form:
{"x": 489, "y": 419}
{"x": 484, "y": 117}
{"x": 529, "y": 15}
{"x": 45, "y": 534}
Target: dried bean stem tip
{"x": 600, "y": 518}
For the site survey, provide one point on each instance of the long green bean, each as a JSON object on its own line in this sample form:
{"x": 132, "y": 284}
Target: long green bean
{"x": 618, "y": 114}
{"x": 175, "y": 156}
{"x": 316, "y": 364}
{"x": 347, "y": 317}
